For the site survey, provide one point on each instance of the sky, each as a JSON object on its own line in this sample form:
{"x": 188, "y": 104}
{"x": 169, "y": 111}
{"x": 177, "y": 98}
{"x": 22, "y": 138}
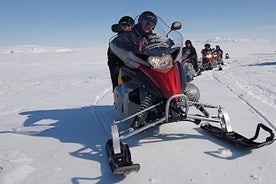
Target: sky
{"x": 80, "y": 23}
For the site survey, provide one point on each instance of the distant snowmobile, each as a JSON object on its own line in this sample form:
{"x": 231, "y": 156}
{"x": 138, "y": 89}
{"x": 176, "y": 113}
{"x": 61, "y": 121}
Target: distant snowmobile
{"x": 217, "y": 59}
{"x": 208, "y": 61}
{"x": 153, "y": 90}
{"x": 227, "y": 56}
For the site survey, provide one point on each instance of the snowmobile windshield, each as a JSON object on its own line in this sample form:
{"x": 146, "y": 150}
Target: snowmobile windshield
{"x": 160, "y": 50}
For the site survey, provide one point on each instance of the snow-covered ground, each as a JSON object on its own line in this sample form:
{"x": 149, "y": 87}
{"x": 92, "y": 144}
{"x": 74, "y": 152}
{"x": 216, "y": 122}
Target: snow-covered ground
{"x": 56, "y": 108}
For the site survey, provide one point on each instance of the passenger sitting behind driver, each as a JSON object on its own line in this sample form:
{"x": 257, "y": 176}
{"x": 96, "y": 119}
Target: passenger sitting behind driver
{"x": 114, "y": 62}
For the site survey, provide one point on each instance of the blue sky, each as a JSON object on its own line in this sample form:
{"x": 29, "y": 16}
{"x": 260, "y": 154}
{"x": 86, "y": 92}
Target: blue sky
{"x": 76, "y": 23}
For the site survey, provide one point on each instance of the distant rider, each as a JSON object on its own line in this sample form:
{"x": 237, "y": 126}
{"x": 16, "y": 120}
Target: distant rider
{"x": 192, "y": 55}
{"x": 219, "y": 51}
{"x": 207, "y": 49}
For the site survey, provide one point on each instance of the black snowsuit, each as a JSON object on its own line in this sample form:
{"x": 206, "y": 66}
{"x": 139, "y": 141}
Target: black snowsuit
{"x": 138, "y": 34}
{"x": 114, "y": 62}
{"x": 220, "y": 52}
{"x": 204, "y": 51}
{"x": 128, "y": 41}
{"x": 192, "y": 56}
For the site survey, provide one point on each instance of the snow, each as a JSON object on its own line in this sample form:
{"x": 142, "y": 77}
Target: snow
{"x": 56, "y": 109}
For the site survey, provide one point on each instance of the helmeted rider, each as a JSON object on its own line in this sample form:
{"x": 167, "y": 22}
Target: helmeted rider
{"x": 127, "y": 22}
{"x": 207, "y": 47}
{"x": 192, "y": 55}
{"x": 141, "y": 31}
{"x": 114, "y": 62}
{"x": 219, "y": 51}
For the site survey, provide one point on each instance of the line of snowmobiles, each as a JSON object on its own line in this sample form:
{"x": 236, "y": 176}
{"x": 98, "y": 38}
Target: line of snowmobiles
{"x": 153, "y": 90}
{"x": 210, "y": 60}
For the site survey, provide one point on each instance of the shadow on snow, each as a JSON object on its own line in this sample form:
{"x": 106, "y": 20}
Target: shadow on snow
{"x": 84, "y": 126}
{"x": 79, "y": 126}
{"x": 268, "y": 63}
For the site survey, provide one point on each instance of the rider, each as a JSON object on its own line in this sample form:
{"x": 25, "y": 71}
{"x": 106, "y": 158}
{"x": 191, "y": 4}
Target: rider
{"x": 219, "y": 51}
{"x": 141, "y": 31}
{"x": 135, "y": 40}
{"x": 114, "y": 62}
{"x": 192, "y": 56}
{"x": 207, "y": 48}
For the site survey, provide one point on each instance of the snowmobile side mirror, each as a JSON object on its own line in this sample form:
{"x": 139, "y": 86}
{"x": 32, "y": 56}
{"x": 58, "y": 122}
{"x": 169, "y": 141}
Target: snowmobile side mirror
{"x": 116, "y": 28}
{"x": 176, "y": 25}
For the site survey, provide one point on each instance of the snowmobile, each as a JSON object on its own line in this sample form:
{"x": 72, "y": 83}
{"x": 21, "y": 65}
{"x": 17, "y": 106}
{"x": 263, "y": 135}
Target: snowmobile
{"x": 208, "y": 62}
{"x": 153, "y": 90}
{"x": 217, "y": 59}
{"x": 227, "y": 56}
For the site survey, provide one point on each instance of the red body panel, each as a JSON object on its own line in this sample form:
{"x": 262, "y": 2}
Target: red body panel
{"x": 216, "y": 57}
{"x": 168, "y": 82}
{"x": 209, "y": 59}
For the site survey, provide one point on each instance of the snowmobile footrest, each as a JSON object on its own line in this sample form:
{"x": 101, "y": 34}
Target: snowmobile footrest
{"x": 120, "y": 163}
{"x": 240, "y": 140}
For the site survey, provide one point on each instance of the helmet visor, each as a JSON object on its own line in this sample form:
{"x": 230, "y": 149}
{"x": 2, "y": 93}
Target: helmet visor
{"x": 151, "y": 19}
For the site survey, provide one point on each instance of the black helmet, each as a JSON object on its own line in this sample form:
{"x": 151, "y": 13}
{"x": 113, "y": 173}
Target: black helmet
{"x": 126, "y": 20}
{"x": 148, "y": 15}
{"x": 217, "y": 47}
{"x": 207, "y": 45}
{"x": 188, "y": 42}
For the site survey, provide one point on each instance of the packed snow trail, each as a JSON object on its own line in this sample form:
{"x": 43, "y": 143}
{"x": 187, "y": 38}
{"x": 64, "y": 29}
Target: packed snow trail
{"x": 228, "y": 82}
{"x": 258, "y": 94}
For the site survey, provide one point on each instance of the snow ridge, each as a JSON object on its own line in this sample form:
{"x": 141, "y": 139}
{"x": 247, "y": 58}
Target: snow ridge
{"x": 35, "y": 49}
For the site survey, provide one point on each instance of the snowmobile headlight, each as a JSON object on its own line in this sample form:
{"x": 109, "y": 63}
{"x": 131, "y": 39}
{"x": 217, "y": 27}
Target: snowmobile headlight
{"x": 208, "y": 56}
{"x": 161, "y": 63}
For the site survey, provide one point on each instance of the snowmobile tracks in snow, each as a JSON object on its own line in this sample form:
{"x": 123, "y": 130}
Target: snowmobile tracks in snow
{"x": 231, "y": 82}
{"x": 15, "y": 166}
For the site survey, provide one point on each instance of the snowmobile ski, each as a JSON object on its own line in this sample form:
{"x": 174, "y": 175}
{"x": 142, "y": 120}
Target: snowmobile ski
{"x": 240, "y": 140}
{"x": 120, "y": 163}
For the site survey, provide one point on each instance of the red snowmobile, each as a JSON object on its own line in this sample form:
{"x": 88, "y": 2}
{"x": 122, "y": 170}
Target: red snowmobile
{"x": 217, "y": 59}
{"x": 208, "y": 60}
{"x": 153, "y": 90}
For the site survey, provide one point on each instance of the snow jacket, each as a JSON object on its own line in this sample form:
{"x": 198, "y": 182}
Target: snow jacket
{"x": 113, "y": 59}
{"x": 192, "y": 53}
{"x": 220, "y": 52}
{"x": 204, "y": 51}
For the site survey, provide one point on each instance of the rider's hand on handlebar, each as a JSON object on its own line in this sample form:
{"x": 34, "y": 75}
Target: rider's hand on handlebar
{"x": 142, "y": 42}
